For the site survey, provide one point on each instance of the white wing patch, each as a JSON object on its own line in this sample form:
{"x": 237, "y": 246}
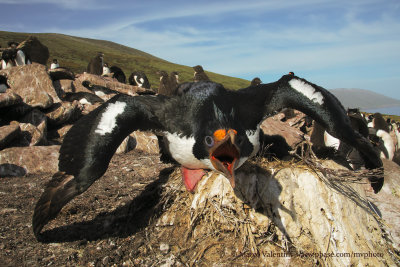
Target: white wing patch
{"x": 99, "y": 93}
{"x": 307, "y": 90}
{"x": 84, "y": 101}
{"x": 109, "y": 118}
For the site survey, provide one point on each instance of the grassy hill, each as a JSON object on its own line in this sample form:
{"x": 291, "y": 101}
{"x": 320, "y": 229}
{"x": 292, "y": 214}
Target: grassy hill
{"x": 75, "y": 53}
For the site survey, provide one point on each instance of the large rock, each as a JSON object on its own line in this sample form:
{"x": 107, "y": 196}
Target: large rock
{"x": 387, "y": 201}
{"x": 146, "y": 142}
{"x": 33, "y": 84}
{"x": 64, "y": 86}
{"x": 274, "y": 126}
{"x": 32, "y": 135}
{"x": 108, "y": 82}
{"x": 278, "y": 215}
{"x": 60, "y": 132}
{"x": 9, "y": 99}
{"x": 36, "y": 51}
{"x": 33, "y": 159}
{"x": 63, "y": 112}
{"x": 8, "y": 133}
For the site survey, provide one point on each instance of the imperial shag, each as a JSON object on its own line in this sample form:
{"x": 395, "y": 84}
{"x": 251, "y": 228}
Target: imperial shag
{"x": 207, "y": 127}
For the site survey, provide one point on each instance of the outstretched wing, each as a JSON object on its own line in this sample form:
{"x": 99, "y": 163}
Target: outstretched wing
{"x": 89, "y": 146}
{"x": 317, "y": 102}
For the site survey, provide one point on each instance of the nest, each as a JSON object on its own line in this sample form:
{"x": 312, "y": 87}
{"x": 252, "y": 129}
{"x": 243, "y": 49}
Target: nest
{"x": 218, "y": 224}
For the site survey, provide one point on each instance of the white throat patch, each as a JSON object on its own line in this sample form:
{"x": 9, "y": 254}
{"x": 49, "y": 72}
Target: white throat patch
{"x": 181, "y": 149}
{"x": 307, "y": 90}
{"x": 109, "y": 118}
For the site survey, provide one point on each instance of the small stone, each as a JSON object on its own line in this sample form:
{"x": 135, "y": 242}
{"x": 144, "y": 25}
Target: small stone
{"x": 164, "y": 248}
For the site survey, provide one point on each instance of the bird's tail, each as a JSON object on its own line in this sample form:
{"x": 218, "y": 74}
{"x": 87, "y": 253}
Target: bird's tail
{"x": 59, "y": 191}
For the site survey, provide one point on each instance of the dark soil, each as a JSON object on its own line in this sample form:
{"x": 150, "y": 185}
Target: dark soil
{"x": 102, "y": 227}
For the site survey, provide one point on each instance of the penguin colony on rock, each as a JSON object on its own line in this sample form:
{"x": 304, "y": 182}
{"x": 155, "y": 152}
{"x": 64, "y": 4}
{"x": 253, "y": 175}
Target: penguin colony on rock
{"x": 13, "y": 56}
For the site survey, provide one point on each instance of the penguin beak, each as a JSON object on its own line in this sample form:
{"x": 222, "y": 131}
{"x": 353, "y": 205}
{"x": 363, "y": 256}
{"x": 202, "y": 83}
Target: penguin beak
{"x": 224, "y": 155}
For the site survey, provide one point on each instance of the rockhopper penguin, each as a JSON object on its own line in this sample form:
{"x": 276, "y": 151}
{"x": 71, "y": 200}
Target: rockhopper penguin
{"x": 207, "y": 127}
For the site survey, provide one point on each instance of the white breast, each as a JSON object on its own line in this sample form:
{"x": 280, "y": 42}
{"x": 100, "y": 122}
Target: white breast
{"x": 181, "y": 148}
{"x": 388, "y": 142}
{"x": 331, "y": 141}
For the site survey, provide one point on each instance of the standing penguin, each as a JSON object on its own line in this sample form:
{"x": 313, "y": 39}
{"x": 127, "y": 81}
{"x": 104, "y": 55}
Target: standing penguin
{"x": 256, "y": 81}
{"x": 95, "y": 65}
{"x": 165, "y": 84}
{"x": 21, "y": 59}
{"x": 174, "y": 81}
{"x": 199, "y": 74}
{"x": 138, "y": 78}
{"x": 106, "y": 69}
{"x": 54, "y": 65}
{"x": 118, "y": 74}
{"x": 8, "y": 58}
{"x": 379, "y": 123}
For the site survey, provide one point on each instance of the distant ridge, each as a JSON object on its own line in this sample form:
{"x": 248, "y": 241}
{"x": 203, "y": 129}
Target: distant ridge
{"x": 363, "y": 99}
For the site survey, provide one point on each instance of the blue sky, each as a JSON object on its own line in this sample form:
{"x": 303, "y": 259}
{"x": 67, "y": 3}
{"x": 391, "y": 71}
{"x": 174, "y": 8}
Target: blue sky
{"x": 335, "y": 44}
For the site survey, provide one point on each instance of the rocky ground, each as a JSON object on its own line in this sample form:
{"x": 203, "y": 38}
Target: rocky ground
{"x": 99, "y": 228}
{"x": 119, "y": 221}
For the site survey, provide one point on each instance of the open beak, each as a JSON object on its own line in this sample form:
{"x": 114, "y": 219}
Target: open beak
{"x": 224, "y": 156}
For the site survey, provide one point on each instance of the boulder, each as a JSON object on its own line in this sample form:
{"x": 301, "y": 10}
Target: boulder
{"x": 9, "y": 99}
{"x": 32, "y": 135}
{"x": 108, "y": 82}
{"x": 387, "y": 202}
{"x": 64, "y": 86}
{"x": 36, "y": 51}
{"x": 146, "y": 142}
{"x": 32, "y": 159}
{"x": 143, "y": 141}
{"x": 274, "y": 126}
{"x": 33, "y": 84}
{"x": 61, "y": 132}
{"x": 8, "y": 133}
{"x": 63, "y": 112}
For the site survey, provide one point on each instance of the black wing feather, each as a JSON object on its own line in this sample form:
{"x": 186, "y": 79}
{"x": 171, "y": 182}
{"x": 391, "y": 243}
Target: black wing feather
{"x": 321, "y": 105}
{"x": 88, "y": 148}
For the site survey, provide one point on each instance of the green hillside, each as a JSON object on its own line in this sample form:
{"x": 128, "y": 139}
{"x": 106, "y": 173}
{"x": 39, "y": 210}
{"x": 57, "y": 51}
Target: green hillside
{"x": 75, "y": 53}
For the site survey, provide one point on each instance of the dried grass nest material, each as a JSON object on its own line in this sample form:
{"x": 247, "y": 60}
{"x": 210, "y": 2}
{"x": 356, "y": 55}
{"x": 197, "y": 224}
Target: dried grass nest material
{"x": 217, "y": 224}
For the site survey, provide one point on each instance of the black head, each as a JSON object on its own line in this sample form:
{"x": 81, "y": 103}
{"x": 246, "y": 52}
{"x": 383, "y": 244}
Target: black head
{"x": 380, "y": 123}
{"x": 220, "y": 139}
{"x": 198, "y": 68}
{"x": 256, "y": 81}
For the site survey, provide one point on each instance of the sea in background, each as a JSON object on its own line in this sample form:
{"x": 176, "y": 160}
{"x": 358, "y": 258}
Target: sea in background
{"x": 388, "y": 111}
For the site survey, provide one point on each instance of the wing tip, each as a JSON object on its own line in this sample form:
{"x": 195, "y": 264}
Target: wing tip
{"x": 58, "y": 192}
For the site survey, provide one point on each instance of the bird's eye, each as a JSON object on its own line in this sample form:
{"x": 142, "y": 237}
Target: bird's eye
{"x": 209, "y": 141}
